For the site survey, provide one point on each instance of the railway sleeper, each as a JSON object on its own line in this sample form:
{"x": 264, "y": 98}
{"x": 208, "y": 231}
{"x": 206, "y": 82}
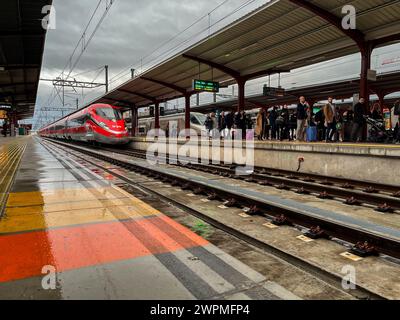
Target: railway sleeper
{"x": 302, "y": 191}
{"x": 282, "y": 220}
{"x": 352, "y": 201}
{"x": 317, "y": 232}
{"x": 325, "y": 196}
{"x": 364, "y": 250}
{"x": 384, "y": 208}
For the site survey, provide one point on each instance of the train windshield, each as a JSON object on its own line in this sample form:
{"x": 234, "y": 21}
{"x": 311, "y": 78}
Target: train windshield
{"x": 109, "y": 113}
{"x": 198, "y": 119}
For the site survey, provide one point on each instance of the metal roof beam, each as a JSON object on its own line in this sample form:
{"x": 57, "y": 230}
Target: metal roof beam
{"x": 356, "y": 35}
{"x": 391, "y": 38}
{"x": 119, "y": 101}
{"x": 168, "y": 85}
{"x": 142, "y": 95}
{"x": 264, "y": 73}
{"x": 233, "y": 73}
{"x": 16, "y": 84}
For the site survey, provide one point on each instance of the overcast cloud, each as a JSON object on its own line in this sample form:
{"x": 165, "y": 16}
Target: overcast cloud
{"x": 134, "y": 28}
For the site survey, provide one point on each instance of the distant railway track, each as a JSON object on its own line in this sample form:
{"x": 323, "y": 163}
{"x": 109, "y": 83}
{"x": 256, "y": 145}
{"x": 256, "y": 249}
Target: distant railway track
{"x": 334, "y": 229}
{"x": 385, "y": 198}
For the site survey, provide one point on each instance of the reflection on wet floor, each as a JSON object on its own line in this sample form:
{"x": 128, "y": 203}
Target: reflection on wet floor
{"x": 102, "y": 242}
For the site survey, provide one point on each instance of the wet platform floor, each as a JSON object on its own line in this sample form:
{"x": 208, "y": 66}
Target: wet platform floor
{"x": 68, "y": 233}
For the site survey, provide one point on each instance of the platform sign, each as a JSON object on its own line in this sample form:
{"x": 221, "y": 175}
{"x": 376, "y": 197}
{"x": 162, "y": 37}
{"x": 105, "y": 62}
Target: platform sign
{"x": 205, "y": 86}
{"x": 273, "y": 92}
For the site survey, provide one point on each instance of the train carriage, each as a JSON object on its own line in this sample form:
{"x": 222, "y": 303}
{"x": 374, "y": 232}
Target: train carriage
{"x": 101, "y": 123}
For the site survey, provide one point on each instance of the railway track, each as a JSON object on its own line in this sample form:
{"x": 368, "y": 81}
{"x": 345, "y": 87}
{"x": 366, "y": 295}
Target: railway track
{"x": 384, "y": 198}
{"x": 276, "y": 213}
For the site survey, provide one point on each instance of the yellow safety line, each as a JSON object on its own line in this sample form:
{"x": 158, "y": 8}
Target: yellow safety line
{"x": 13, "y": 167}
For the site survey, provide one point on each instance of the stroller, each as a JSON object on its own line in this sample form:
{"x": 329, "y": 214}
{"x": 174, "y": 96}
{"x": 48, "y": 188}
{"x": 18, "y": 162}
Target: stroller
{"x": 378, "y": 132}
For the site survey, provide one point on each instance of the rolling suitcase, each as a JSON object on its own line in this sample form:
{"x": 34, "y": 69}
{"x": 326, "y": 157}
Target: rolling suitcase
{"x": 311, "y": 133}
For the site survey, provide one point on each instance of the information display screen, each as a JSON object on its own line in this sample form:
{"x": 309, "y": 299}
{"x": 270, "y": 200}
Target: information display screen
{"x": 273, "y": 92}
{"x": 207, "y": 86}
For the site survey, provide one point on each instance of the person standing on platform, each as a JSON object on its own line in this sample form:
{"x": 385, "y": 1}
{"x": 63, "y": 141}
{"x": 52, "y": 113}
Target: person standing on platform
{"x": 229, "y": 121}
{"x": 320, "y": 122}
{"x": 5, "y": 127}
{"x": 272, "y": 120}
{"x": 358, "y": 121}
{"x": 301, "y": 119}
{"x": 260, "y": 125}
{"x": 267, "y": 126}
{"x": 240, "y": 122}
{"x": 330, "y": 120}
{"x": 292, "y": 126}
{"x": 264, "y": 123}
{"x": 339, "y": 126}
{"x": 215, "y": 128}
{"x": 376, "y": 112}
{"x": 209, "y": 125}
{"x": 395, "y": 115}
{"x": 222, "y": 125}
{"x": 282, "y": 123}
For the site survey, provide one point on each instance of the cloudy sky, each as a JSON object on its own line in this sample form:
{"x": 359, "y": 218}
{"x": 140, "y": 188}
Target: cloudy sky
{"x": 136, "y": 34}
{"x": 128, "y": 37}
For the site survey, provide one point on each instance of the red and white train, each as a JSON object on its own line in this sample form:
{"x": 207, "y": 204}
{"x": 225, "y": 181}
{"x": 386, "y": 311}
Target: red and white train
{"x": 101, "y": 123}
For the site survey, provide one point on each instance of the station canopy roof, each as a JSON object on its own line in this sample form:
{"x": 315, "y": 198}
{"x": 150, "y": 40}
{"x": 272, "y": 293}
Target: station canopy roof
{"x": 385, "y": 83}
{"x": 22, "y": 41}
{"x": 281, "y": 35}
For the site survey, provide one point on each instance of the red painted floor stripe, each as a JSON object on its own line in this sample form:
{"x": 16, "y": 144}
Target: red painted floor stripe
{"x": 24, "y": 255}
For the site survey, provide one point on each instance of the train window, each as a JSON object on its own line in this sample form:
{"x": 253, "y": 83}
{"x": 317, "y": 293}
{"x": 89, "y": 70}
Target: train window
{"x": 201, "y": 119}
{"x": 109, "y": 113}
{"x": 194, "y": 120}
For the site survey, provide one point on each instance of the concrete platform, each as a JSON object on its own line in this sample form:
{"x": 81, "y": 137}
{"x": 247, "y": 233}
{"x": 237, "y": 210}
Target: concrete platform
{"x": 368, "y": 162}
{"x": 66, "y": 223}
{"x": 374, "y": 274}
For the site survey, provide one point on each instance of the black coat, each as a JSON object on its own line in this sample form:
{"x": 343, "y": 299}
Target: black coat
{"x": 301, "y": 112}
{"x": 359, "y": 112}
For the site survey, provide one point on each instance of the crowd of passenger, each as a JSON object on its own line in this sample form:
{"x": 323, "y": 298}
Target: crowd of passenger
{"x": 329, "y": 124}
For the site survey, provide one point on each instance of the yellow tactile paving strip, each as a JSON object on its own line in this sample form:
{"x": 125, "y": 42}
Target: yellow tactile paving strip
{"x": 30, "y": 211}
{"x": 10, "y": 157}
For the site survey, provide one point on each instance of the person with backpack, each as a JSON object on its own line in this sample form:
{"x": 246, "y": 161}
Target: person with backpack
{"x": 282, "y": 124}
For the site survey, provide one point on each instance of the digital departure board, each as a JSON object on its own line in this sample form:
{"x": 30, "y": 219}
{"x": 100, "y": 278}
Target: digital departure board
{"x": 273, "y": 92}
{"x": 207, "y": 86}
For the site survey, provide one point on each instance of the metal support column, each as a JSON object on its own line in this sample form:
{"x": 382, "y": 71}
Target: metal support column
{"x": 157, "y": 115}
{"x": 133, "y": 121}
{"x": 241, "y": 99}
{"x": 106, "y": 78}
{"x": 187, "y": 111}
{"x": 366, "y": 53}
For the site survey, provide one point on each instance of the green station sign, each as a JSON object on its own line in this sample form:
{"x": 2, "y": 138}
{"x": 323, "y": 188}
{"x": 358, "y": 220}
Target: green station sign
{"x": 207, "y": 86}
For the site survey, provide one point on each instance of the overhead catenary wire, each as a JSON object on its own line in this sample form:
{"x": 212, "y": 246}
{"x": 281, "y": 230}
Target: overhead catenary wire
{"x": 82, "y": 42}
{"x": 179, "y": 45}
